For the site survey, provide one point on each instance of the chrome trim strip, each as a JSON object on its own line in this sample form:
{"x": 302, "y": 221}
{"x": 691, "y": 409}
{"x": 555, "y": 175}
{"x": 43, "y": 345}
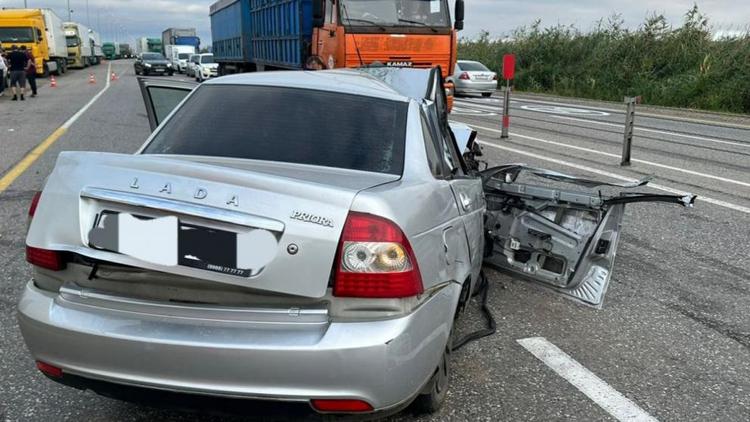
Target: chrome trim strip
{"x": 72, "y": 294}
{"x": 182, "y": 207}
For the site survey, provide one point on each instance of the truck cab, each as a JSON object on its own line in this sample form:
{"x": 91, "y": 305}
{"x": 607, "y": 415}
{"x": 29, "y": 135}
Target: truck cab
{"x": 40, "y": 31}
{"x": 79, "y": 45}
{"x": 400, "y": 33}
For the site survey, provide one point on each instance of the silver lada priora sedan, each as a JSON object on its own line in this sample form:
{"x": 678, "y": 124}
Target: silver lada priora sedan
{"x": 293, "y": 236}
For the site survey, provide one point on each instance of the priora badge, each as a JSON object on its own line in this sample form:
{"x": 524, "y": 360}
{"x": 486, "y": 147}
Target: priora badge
{"x": 311, "y": 218}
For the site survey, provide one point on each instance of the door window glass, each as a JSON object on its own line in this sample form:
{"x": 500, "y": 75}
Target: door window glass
{"x": 164, "y": 100}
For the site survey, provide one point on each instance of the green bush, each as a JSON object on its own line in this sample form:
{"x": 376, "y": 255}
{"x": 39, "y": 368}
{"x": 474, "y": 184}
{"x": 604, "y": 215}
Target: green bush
{"x": 671, "y": 66}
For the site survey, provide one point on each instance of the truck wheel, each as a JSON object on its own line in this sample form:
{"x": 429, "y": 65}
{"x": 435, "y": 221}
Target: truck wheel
{"x": 45, "y": 70}
{"x": 486, "y": 94}
{"x": 63, "y": 66}
{"x": 433, "y": 396}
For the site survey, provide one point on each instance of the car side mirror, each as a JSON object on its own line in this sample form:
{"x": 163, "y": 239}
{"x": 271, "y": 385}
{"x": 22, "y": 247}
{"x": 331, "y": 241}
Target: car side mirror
{"x": 318, "y": 13}
{"x": 459, "y": 24}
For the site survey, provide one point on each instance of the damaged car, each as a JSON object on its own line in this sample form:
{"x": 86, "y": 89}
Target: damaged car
{"x": 295, "y": 236}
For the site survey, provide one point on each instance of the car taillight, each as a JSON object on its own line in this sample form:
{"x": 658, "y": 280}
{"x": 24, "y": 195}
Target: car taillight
{"x": 464, "y": 76}
{"x": 49, "y": 370}
{"x": 375, "y": 260}
{"x": 45, "y": 258}
{"x": 34, "y": 204}
{"x": 342, "y": 406}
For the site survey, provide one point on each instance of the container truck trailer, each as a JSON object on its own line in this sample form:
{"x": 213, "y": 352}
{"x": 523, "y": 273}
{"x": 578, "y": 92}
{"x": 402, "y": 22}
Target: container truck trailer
{"x": 256, "y": 35}
{"x": 80, "y": 51}
{"x": 181, "y": 36}
{"x": 96, "y": 47}
{"x": 41, "y": 31}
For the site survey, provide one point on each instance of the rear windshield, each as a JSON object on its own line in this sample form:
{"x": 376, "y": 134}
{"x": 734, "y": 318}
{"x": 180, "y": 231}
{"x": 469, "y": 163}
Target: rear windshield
{"x": 473, "y": 66}
{"x": 288, "y": 125}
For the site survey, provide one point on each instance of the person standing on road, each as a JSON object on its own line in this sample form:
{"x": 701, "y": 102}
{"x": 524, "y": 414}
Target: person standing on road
{"x": 18, "y": 62}
{"x": 30, "y": 71}
{"x": 3, "y": 70}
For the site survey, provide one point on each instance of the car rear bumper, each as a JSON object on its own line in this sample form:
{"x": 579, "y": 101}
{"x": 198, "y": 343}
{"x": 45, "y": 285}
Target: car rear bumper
{"x": 385, "y": 363}
{"x": 469, "y": 87}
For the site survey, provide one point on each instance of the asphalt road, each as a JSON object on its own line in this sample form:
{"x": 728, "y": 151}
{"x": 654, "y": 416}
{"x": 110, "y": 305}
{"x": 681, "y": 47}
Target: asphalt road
{"x": 674, "y": 333}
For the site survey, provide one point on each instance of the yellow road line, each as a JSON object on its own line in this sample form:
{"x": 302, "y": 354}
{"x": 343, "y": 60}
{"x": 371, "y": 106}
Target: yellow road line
{"x": 30, "y": 158}
{"x": 8, "y": 178}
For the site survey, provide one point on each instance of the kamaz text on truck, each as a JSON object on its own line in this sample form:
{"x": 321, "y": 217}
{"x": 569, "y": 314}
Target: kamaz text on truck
{"x": 296, "y": 34}
{"x": 41, "y": 31}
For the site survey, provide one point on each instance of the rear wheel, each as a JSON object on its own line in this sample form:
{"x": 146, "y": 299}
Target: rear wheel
{"x": 433, "y": 396}
{"x": 486, "y": 94}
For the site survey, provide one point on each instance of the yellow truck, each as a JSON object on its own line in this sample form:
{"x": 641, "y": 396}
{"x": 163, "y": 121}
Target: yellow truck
{"x": 80, "y": 45}
{"x": 41, "y": 31}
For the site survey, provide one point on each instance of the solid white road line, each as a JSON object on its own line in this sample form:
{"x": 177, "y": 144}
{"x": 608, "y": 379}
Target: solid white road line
{"x": 635, "y": 160}
{"x": 663, "y": 132}
{"x": 651, "y": 115}
{"x": 68, "y": 123}
{"x": 601, "y": 393}
{"x": 718, "y": 202}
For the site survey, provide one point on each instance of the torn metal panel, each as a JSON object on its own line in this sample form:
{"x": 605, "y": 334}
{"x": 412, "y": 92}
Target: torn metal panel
{"x": 565, "y": 240}
{"x": 510, "y": 173}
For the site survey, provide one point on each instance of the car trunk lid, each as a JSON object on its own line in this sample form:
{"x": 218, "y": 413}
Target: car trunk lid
{"x": 301, "y": 208}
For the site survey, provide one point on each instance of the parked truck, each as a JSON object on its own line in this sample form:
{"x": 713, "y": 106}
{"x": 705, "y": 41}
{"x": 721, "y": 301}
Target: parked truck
{"x": 125, "y": 51}
{"x": 96, "y": 46}
{"x": 179, "y": 56}
{"x": 111, "y": 51}
{"x": 80, "y": 52}
{"x": 41, "y": 31}
{"x": 255, "y": 35}
{"x": 148, "y": 45}
{"x": 181, "y": 36}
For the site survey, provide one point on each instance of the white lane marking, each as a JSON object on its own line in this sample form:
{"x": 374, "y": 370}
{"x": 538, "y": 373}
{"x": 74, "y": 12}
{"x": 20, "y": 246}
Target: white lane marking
{"x": 472, "y": 112}
{"x": 550, "y": 109}
{"x": 663, "y": 132}
{"x": 651, "y": 115}
{"x": 635, "y": 160}
{"x": 718, "y": 202}
{"x": 601, "y": 393}
{"x": 68, "y": 123}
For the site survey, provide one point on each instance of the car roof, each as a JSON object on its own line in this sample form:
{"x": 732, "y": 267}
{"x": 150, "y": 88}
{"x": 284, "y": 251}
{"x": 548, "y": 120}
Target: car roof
{"x": 380, "y": 82}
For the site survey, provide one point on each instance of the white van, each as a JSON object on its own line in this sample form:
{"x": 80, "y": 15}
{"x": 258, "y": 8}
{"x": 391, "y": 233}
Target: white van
{"x": 179, "y": 56}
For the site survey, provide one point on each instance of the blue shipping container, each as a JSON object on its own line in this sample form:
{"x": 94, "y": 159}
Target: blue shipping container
{"x": 274, "y": 33}
{"x": 194, "y": 41}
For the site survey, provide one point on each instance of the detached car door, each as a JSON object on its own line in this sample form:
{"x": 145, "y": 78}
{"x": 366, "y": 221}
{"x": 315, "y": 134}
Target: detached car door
{"x": 162, "y": 96}
{"x": 564, "y": 239}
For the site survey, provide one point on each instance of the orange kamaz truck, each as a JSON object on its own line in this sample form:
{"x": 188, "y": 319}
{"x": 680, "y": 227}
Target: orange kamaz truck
{"x": 256, "y": 35}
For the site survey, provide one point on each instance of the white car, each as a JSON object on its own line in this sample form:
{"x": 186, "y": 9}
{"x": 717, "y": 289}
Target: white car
{"x": 202, "y": 67}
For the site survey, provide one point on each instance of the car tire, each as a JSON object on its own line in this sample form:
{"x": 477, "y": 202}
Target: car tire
{"x": 171, "y": 73}
{"x": 486, "y": 94}
{"x": 431, "y": 399}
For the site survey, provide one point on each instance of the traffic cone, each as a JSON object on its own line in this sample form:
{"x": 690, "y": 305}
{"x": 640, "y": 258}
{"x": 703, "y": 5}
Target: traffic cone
{"x": 52, "y": 81}
{"x": 92, "y": 79}
{"x": 114, "y": 77}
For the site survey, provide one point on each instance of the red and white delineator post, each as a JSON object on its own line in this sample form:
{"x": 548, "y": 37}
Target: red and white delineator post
{"x": 509, "y": 70}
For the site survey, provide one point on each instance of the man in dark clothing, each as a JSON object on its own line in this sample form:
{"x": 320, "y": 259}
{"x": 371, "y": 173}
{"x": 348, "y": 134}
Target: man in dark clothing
{"x": 30, "y": 70}
{"x": 18, "y": 63}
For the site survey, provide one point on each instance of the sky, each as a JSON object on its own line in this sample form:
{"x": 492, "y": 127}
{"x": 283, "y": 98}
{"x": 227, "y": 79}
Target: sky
{"x": 128, "y": 19}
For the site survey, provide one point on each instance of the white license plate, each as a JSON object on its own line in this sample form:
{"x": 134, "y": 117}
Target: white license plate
{"x": 159, "y": 70}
